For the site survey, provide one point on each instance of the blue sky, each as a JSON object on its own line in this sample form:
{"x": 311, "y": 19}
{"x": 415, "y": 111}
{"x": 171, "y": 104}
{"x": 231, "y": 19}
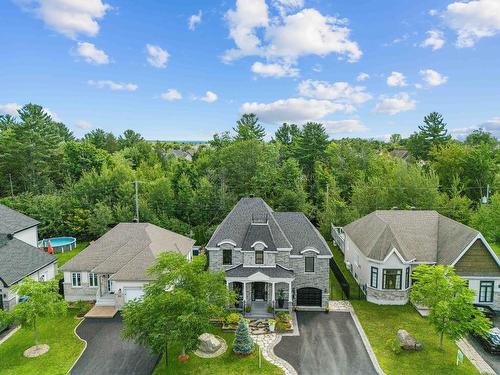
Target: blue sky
{"x": 363, "y": 68}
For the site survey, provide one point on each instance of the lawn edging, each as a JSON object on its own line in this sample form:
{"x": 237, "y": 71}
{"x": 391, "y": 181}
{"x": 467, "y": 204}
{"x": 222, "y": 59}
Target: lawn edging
{"x": 84, "y": 346}
{"x": 474, "y": 357}
{"x": 10, "y": 334}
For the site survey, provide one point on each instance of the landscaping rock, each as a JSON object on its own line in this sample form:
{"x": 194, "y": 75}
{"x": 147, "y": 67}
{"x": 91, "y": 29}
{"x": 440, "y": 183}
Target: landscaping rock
{"x": 407, "y": 341}
{"x": 208, "y": 343}
{"x": 36, "y": 351}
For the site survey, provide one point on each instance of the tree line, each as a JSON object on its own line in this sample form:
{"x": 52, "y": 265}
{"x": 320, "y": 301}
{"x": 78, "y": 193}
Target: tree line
{"x": 83, "y": 186}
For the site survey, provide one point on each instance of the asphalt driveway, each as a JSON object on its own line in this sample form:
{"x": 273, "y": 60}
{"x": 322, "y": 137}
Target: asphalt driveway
{"x": 491, "y": 359}
{"x": 329, "y": 344}
{"x": 108, "y": 353}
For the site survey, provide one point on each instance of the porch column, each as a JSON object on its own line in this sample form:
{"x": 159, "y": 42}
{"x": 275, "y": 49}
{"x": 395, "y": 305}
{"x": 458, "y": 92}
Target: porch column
{"x": 290, "y": 292}
{"x": 244, "y": 291}
{"x": 272, "y": 293}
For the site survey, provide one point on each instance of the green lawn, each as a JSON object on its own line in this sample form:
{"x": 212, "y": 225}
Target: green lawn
{"x": 67, "y": 255}
{"x": 339, "y": 259}
{"x": 227, "y": 364}
{"x": 496, "y": 247}
{"x": 335, "y": 290}
{"x": 57, "y": 333}
{"x": 381, "y": 324}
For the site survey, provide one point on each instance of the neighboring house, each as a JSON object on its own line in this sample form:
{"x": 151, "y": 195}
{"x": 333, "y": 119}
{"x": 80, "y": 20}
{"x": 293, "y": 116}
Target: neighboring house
{"x": 113, "y": 269}
{"x": 400, "y": 154}
{"x": 183, "y": 154}
{"x": 381, "y": 250}
{"x": 267, "y": 255}
{"x": 19, "y": 254}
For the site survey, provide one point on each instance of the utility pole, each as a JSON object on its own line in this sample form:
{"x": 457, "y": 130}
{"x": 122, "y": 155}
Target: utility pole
{"x": 136, "y": 183}
{"x": 487, "y": 197}
{"x": 11, "y": 187}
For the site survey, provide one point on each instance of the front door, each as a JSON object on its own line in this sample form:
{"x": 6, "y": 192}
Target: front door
{"x": 259, "y": 291}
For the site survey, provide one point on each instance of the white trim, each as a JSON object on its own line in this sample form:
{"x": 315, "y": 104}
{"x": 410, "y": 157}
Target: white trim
{"x": 494, "y": 278}
{"x": 226, "y": 241}
{"x": 259, "y": 242}
{"x": 308, "y": 249}
{"x": 317, "y": 256}
{"x": 284, "y": 249}
{"x": 483, "y": 240}
{"x": 259, "y": 277}
{"x": 393, "y": 251}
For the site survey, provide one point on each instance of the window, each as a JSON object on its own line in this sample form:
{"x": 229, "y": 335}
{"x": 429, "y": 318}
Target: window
{"x": 392, "y": 278}
{"x": 227, "y": 256}
{"x": 309, "y": 264}
{"x": 486, "y": 291}
{"x": 374, "y": 278}
{"x": 76, "y": 279}
{"x": 259, "y": 257}
{"x": 93, "y": 280}
{"x": 407, "y": 278}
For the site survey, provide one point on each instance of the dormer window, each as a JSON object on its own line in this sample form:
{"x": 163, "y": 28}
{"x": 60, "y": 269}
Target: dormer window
{"x": 259, "y": 257}
{"x": 227, "y": 257}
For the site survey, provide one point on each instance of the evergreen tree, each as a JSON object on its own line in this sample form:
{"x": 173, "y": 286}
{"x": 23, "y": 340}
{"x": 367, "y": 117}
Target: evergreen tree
{"x": 248, "y": 127}
{"x": 311, "y": 146}
{"x": 243, "y": 343}
{"x": 434, "y": 131}
{"x": 287, "y": 133}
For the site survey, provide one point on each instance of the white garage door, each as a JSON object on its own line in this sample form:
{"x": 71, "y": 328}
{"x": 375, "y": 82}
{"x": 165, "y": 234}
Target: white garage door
{"x": 133, "y": 293}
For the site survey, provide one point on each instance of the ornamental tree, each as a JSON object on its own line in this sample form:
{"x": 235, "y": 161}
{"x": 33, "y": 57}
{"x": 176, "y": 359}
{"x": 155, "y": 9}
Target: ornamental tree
{"x": 177, "y": 306}
{"x": 43, "y": 301}
{"x": 243, "y": 343}
{"x": 450, "y": 302}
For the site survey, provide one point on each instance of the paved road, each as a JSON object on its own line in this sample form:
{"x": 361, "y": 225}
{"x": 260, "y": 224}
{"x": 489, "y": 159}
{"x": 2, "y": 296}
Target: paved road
{"x": 491, "y": 359}
{"x": 329, "y": 344}
{"x": 107, "y": 353}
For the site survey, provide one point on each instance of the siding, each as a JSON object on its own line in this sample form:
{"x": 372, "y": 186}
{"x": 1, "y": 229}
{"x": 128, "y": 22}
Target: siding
{"x": 477, "y": 261}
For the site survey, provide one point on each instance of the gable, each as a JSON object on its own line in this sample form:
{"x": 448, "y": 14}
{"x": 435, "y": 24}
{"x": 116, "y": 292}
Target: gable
{"x": 477, "y": 261}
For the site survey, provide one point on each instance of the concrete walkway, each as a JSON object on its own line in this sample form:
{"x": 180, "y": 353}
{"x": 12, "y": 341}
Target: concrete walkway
{"x": 101, "y": 312}
{"x": 474, "y": 357}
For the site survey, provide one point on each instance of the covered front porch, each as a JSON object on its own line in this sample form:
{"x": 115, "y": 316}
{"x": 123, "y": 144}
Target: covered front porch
{"x": 260, "y": 294}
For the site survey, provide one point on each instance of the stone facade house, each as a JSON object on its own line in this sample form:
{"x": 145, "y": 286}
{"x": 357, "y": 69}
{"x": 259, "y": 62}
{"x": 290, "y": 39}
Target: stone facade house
{"x": 19, "y": 255}
{"x": 113, "y": 269}
{"x": 276, "y": 259}
{"x": 381, "y": 250}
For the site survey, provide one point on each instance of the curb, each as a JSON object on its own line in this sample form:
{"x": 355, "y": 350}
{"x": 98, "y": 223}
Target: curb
{"x": 474, "y": 357}
{"x": 366, "y": 343}
{"x": 11, "y": 333}
{"x": 84, "y": 347}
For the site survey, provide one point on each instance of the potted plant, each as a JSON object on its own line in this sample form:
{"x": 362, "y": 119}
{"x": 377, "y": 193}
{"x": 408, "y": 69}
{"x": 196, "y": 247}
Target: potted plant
{"x": 281, "y": 298}
{"x": 272, "y": 324}
{"x": 270, "y": 309}
{"x": 248, "y": 308}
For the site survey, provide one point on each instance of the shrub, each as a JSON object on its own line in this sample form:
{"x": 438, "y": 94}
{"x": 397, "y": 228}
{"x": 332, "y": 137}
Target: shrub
{"x": 283, "y": 316}
{"x": 243, "y": 343}
{"x": 233, "y": 319}
{"x": 269, "y": 309}
{"x": 394, "y": 345}
{"x": 248, "y": 308}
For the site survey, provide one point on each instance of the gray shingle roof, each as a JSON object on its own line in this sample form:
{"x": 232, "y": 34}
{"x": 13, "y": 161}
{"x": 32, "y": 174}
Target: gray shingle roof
{"x": 258, "y": 232}
{"x": 19, "y": 259}
{"x": 423, "y": 236}
{"x": 12, "y": 221}
{"x": 277, "y": 271}
{"x": 287, "y": 229}
{"x": 127, "y": 250}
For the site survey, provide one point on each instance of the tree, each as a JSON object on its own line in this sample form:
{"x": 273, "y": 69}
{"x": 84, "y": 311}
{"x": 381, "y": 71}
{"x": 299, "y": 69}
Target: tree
{"x": 487, "y": 219}
{"x": 129, "y": 138}
{"x": 479, "y": 136}
{"x": 100, "y": 139}
{"x": 287, "y": 133}
{"x": 243, "y": 343}
{"x": 82, "y": 157}
{"x": 43, "y": 301}
{"x": 311, "y": 146}
{"x": 449, "y": 300}
{"x": 434, "y": 131}
{"x": 248, "y": 127}
{"x": 177, "y": 305}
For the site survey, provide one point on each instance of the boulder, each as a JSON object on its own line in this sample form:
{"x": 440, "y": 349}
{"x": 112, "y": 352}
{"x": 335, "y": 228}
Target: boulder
{"x": 407, "y": 341}
{"x": 208, "y": 343}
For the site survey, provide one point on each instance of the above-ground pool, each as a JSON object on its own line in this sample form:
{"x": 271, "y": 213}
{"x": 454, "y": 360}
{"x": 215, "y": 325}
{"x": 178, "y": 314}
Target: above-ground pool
{"x": 59, "y": 244}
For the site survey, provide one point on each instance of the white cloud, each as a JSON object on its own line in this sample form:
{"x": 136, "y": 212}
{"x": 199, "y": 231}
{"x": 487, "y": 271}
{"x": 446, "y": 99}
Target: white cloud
{"x": 287, "y": 37}
{"x": 9, "y": 109}
{"x": 286, "y": 6}
{"x": 342, "y": 91}
{"x": 115, "y": 86}
{"x": 91, "y": 54}
{"x": 344, "y": 126}
{"x": 157, "y": 56}
{"x": 492, "y": 126}
{"x": 473, "y": 20}
{"x": 171, "y": 94}
{"x": 433, "y": 78}
{"x": 435, "y": 40}
{"x": 83, "y": 124}
{"x": 433, "y": 12}
{"x": 362, "y": 77}
{"x": 295, "y": 110}
{"x": 401, "y": 102}
{"x": 53, "y": 115}
{"x": 274, "y": 70}
{"x": 194, "y": 20}
{"x": 396, "y": 79}
{"x": 69, "y": 17}
{"x": 209, "y": 97}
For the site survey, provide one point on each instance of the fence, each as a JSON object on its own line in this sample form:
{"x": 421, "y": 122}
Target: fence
{"x": 347, "y": 292}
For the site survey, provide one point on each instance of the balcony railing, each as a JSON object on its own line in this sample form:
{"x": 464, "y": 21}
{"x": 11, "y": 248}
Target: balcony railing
{"x": 339, "y": 237}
